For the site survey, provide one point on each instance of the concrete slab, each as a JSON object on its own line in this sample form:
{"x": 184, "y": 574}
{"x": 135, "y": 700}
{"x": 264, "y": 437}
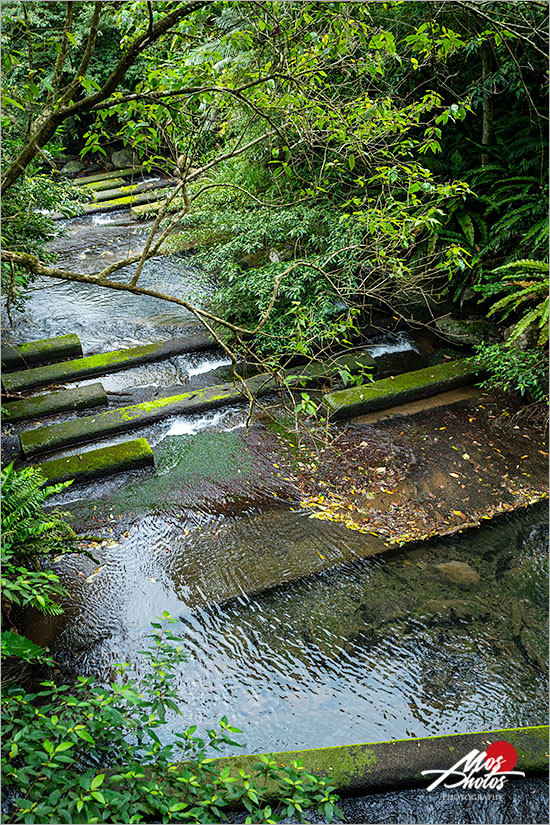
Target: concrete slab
{"x": 101, "y": 185}
{"x": 375, "y": 766}
{"x": 79, "y": 398}
{"x": 130, "y": 455}
{"x": 121, "y": 191}
{"x": 44, "y": 351}
{"x": 410, "y": 386}
{"x": 102, "y": 425}
{"x": 103, "y": 176}
{"x": 442, "y": 399}
{"x": 126, "y": 201}
{"x": 104, "y": 363}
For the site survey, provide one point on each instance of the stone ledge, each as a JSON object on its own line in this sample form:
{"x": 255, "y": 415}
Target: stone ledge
{"x": 104, "y": 363}
{"x": 131, "y": 455}
{"x": 409, "y": 386}
{"x": 375, "y": 766}
{"x": 104, "y": 424}
{"x": 79, "y": 398}
{"x": 44, "y": 351}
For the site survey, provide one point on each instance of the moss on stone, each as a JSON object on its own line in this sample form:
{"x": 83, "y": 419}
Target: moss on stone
{"x": 399, "y": 763}
{"x": 130, "y": 455}
{"x": 103, "y": 363}
{"x": 102, "y": 185}
{"x": 107, "y": 176}
{"x": 89, "y": 428}
{"x": 80, "y": 398}
{"x": 128, "y": 200}
{"x": 44, "y": 351}
{"x": 410, "y": 386}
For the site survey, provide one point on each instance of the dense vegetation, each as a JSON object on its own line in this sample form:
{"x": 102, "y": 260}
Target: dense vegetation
{"x": 335, "y": 158}
{"x": 337, "y": 162}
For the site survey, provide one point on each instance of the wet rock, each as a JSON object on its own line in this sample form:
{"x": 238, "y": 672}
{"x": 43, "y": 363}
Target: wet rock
{"x": 458, "y": 573}
{"x": 466, "y": 331}
{"x": 123, "y": 158}
{"x": 73, "y": 167}
{"x": 535, "y": 646}
{"x": 526, "y": 340}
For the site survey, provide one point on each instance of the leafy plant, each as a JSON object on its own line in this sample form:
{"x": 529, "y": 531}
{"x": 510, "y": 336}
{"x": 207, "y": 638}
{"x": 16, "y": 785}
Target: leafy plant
{"x": 29, "y": 533}
{"x": 513, "y": 370}
{"x": 91, "y": 753}
{"x": 526, "y": 281}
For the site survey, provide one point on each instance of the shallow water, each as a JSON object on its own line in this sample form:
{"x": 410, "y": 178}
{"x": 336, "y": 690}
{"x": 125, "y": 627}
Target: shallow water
{"x": 373, "y": 650}
{"x": 105, "y": 319}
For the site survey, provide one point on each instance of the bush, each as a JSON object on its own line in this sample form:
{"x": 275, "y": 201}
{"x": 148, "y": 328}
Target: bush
{"x": 91, "y": 753}
{"x": 512, "y": 370}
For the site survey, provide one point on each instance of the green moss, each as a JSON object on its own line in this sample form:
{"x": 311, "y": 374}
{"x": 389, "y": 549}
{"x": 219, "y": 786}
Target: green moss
{"x": 107, "y": 176}
{"x": 102, "y": 185}
{"x": 119, "y": 203}
{"x": 398, "y": 763}
{"x": 101, "y": 462}
{"x": 183, "y": 461}
{"x": 43, "y": 351}
{"x": 77, "y": 368}
{"x": 93, "y": 395}
{"x": 409, "y": 386}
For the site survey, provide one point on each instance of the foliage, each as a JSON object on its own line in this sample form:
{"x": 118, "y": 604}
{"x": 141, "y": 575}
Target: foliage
{"x": 512, "y": 370}
{"x": 26, "y": 226}
{"x": 525, "y": 281}
{"x": 29, "y": 533}
{"x": 92, "y": 753}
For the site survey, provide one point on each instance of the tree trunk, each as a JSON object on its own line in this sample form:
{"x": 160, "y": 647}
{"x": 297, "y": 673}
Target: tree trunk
{"x": 487, "y": 135}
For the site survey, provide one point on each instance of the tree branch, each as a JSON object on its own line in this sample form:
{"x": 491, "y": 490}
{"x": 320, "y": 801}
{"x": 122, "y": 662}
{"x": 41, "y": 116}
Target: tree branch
{"x": 62, "y": 56}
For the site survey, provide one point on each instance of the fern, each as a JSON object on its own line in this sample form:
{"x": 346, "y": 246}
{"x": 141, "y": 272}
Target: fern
{"x": 522, "y": 289}
{"x": 29, "y": 533}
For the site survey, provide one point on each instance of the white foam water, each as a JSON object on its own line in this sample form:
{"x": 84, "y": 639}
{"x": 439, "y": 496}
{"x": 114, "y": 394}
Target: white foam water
{"x": 194, "y": 423}
{"x": 208, "y": 366}
{"x": 400, "y": 343}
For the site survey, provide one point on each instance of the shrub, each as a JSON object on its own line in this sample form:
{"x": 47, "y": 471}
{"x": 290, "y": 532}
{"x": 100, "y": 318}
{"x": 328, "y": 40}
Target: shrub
{"x": 512, "y": 370}
{"x": 92, "y": 753}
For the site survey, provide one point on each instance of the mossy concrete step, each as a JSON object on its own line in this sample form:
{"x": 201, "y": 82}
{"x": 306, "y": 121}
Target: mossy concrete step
{"x": 389, "y": 392}
{"x": 131, "y": 455}
{"x": 130, "y": 189}
{"x": 104, "y": 363}
{"x": 102, "y": 425}
{"x": 154, "y": 206}
{"x": 126, "y": 201}
{"x": 45, "y": 351}
{"x": 377, "y": 766}
{"x": 105, "y": 176}
{"x": 78, "y": 398}
{"x": 101, "y": 185}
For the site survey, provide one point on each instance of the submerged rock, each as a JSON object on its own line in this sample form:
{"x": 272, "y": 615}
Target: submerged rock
{"x": 458, "y": 573}
{"x": 456, "y": 609}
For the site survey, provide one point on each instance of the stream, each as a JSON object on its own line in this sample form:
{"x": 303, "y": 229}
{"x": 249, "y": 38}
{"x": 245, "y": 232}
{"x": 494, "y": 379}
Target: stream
{"x": 357, "y": 649}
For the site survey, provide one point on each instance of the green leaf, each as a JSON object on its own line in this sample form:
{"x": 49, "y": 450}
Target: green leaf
{"x": 97, "y": 781}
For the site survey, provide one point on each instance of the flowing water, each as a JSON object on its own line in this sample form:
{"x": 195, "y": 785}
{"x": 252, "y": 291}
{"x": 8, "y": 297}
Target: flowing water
{"x": 358, "y": 649}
